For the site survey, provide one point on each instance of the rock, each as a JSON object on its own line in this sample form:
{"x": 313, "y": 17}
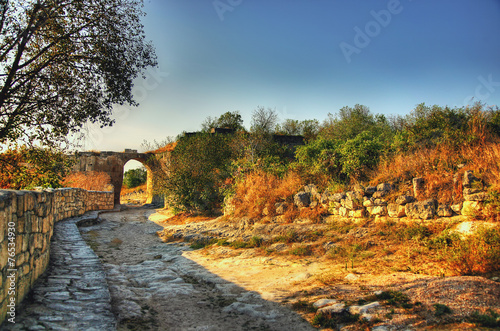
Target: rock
{"x": 457, "y": 208}
{"x": 467, "y": 191}
{"x": 384, "y": 187}
{"x": 353, "y": 201}
{"x": 396, "y": 210}
{"x": 379, "y": 202}
{"x": 343, "y": 212}
{"x": 418, "y": 187}
{"x": 404, "y": 199}
{"x": 280, "y": 207}
{"x": 470, "y": 181}
{"x": 229, "y": 205}
{"x": 421, "y": 209}
{"x": 377, "y": 210}
{"x": 324, "y": 302}
{"x": 302, "y": 199}
{"x": 358, "y": 213}
{"x": 311, "y": 189}
{"x": 337, "y": 308}
{"x": 495, "y": 279}
{"x": 351, "y": 277}
{"x": 471, "y": 208}
{"x": 368, "y": 203}
{"x": 379, "y": 194}
{"x": 444, "y": 211}
{"x": 481, "y": 196}
{"x": 329, "y": 245}
{"x": 337, "y": 197}
{"x": 370, "y": 307}
{"x": 370, "y": 190}
{"x": 380, "y": 328}
{"x": 279, "y": 247}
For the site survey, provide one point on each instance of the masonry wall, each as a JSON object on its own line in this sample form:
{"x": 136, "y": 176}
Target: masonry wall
{"x": 26, "y": 226}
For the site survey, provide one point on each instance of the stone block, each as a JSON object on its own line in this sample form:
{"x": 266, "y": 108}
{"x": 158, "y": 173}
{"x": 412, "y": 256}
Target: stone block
{"x": 302, "y": 199}
{"x": 377, "y": 210}
{"x": 418, "y": 187}
{"x": 444, "y": 211}
{"x": 343, "y": 211}
{"x": 358, "y": 213}
{"x": 471, "y": 208}
{"x": 396, "y": 210}
{"x": 421, "y": 209}
{"x": 404, "y": 199}
{"x": 481, "y": 196}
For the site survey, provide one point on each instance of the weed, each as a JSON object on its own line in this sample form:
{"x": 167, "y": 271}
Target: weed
{"x": 395, "y": 298}
{"x": 301, "y": 251}
{"x": 304, "y": 306}
{"x": 325, "y": 321}
{"x": 491, "y": 319}
{"x": 440, "y": 309}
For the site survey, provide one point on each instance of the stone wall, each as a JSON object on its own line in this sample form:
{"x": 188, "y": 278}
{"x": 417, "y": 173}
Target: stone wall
{"x": 382, "y": 200}
{"x": 26, "y": 226}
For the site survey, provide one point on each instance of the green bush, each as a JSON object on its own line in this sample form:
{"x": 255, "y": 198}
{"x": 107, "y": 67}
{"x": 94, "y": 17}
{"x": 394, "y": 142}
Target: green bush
{"x": 135, "y": 177}
{"x": 198, "y": 168}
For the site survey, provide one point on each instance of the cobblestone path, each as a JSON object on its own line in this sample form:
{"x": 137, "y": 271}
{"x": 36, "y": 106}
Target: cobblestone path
{"x": 73, "y": 293}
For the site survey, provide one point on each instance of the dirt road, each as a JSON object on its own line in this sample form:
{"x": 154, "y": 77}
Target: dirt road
{"x": 156, "y": 286}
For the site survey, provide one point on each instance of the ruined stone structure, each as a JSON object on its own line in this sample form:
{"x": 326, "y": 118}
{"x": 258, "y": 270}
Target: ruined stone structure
{"x": 112, "y": 163}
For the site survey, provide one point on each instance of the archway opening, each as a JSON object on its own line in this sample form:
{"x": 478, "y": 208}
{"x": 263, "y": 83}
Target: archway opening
{"x": 135, "y": 188}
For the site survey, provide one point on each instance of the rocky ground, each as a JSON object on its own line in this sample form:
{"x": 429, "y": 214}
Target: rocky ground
{"x": 159, "y": 286}
{"x": 325, "y": 293}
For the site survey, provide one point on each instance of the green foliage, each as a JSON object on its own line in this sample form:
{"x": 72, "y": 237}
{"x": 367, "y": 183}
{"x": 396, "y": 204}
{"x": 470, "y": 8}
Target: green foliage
{"x": 228, "y": 120}
{"x": 325, "y": 321}
{"x": 28, "y": 167}
{"x": 198, "y": 168}
{"x": 307, "y": 128}
{"x": 341, "y": 160}
{"x": 395, "y": 298}
{"x": 440, "y": 309}
{"x": 302, "y": 250}
{"x": 490, "y": 320}
{"x": 135, "y": 177}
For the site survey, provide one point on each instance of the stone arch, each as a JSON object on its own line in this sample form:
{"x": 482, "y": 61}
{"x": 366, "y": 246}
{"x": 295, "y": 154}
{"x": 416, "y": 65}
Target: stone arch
{"x": 113, "y": 163}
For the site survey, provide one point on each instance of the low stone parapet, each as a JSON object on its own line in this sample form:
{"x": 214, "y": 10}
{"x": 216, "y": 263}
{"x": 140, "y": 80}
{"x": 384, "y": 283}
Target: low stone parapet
{"x": 26, "y": 227}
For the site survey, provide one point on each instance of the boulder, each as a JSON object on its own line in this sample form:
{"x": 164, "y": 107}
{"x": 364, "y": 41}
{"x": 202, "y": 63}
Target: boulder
{"x": 312, "y": 189}
{"x": 404, "y": 199}
{"x": 481, "y": 196}
{"x": 337, "y": 197}
{"x": 324, "y": 302}
{"x": 358, "y": 213}
{"x": 384, "y": 187}
{"x": 377, "y": 210}
{"x": 359, "y": 189}
{"x": 337, "y": 308}
{"x": 471, "y": 181}
{"x": 418, "y": 187}
{"x": 368, "y": 308}
{"x": 379, "y": 194}
{"x": 302, "y": 199}
{"x": 444, "y": 211}
{"x": 370, "y": 190}
{"x": 471, "y": 208}
{"x": 421, "y": 209}
{"x": 343, "y": 212}
{"x": 396, "y": 210}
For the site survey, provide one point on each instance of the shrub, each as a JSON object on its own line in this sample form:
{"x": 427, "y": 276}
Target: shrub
{"x": 259, "y": 190}
{"x": 28, "y": 167}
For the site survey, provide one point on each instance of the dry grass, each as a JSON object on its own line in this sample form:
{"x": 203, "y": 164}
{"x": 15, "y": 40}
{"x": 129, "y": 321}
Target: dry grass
{"x": 260, "y": 191}
{"x": 141, "y": 188}
{"x": 91, "y": 180}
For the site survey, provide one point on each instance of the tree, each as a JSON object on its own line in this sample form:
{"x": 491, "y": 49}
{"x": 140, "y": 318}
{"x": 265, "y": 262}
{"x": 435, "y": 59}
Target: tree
{"x": 66, "y": 62}
{"x": 228, "y": 120}
{"x": 135, "y": 177}
{"x": 264, "y": 120}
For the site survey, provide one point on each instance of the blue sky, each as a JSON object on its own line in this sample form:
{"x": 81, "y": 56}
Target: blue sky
{"x": 306, "y": 59}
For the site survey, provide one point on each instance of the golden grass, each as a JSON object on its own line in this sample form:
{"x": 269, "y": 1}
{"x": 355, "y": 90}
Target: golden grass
{"x": 259, "y": 191}
{"x": 88, "y": 180}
